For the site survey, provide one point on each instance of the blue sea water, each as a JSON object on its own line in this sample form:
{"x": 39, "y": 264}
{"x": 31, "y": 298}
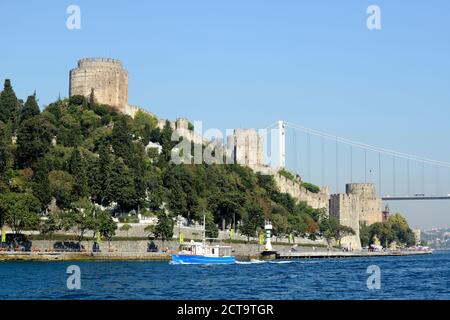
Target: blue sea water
{"x": 410, "y": 277}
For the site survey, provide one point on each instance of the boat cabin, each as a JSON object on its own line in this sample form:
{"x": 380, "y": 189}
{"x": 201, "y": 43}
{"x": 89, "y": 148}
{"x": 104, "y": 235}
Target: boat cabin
{"x": 205, "y": 250}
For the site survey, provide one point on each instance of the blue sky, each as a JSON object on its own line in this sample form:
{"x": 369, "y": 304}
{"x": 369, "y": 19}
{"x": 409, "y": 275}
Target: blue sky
{"x": 249, "y": 63}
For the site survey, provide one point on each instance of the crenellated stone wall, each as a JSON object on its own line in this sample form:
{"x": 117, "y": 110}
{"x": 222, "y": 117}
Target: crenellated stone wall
{"x": 370, "y": 205}
{"x": 294, "y": 188}
{"x": 346, "y": 209}
{"x": 358, "y": 205}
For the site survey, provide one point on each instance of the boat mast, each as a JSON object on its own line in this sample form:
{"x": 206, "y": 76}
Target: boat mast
{"x": 204, "y": 228}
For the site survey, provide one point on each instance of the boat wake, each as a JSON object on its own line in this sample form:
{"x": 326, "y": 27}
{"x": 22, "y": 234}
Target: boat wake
{"x": 281, "y": 262}
{"x": 252, "y": 261}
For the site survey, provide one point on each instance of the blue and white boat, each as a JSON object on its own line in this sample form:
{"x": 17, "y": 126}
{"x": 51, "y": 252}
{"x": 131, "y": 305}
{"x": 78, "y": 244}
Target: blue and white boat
{"x": 202, "y": 253}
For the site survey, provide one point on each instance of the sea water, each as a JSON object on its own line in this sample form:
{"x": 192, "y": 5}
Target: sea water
{"x": 408, "y": 277}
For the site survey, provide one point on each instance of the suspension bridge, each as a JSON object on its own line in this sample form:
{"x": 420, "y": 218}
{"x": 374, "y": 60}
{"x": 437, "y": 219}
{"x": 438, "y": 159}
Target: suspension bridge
{"x": 329, "y": 160}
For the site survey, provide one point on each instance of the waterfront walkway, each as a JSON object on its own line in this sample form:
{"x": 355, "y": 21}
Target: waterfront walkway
{"x": 67, "y": 256}
{"x": 161, "y": 256}
{"x": 343, "y": 254}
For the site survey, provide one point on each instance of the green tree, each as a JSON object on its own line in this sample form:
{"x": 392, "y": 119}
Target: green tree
{"x": 332, "y": 229}
{"x": 121, "y": 138}
{"x": 89, "y": 122}
{"x": 77, "y": 100}
{"x": 9, "y": 105}
{"x": 383, "y": 232}
{"x": 34, "y": 139}
{"x": 41, "y": 184}
{"x": 100, "y": 178}
{"x": 253, "y": 219}
{"x": 364, "y": 234}
{"x": 69, "y": 131}
{"x": 20, "y": 211}
{"x": 165, "y": 140}
{"x": 78, "y": 169}
{"x": 126, "y": 227}
{"x": 176, "y": 197}
{"x": 143, "y": 125}
{"x": 30, "y": 108}
{"x": 92, "y": 103}
{"x": 80, "y": 218}
{"x": 61, "y": 187}
{"x": 211, "y": 229}
{"x": 164, "y": 227}
{"x": 105, "y": 224}
{"x": 121, "y": 185}
{"x": 6, "y": 159}
{"x": 137, "y": 165}
{"x": 400, "y": 229}
{"x": 50, "y": 225}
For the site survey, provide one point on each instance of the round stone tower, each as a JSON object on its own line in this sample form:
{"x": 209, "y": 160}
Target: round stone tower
{"x": 106, "y": 76}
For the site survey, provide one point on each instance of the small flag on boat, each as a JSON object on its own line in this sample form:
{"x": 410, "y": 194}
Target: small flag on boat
{"x": 181, "y": 238}
{"x": 232, "y": 233}
{"x": 3, "y": 234}
{"x": 261, "y": 238}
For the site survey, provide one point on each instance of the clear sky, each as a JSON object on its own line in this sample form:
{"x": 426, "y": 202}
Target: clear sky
{"x": 249, "y": 63}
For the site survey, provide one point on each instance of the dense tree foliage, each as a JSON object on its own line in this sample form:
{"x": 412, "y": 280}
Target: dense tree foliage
{"x": 395, "y": 229}
{"x": 76, "y": 157}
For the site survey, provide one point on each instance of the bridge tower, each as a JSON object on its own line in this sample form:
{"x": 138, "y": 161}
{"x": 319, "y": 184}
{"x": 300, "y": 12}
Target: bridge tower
{"x": 281, "y": 145}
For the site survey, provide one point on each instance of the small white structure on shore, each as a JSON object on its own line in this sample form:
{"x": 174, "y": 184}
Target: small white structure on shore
{"x": 268, "y": 229}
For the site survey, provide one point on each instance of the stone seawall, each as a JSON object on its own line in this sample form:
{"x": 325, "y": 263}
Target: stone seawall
{"x": 124, "y": 249}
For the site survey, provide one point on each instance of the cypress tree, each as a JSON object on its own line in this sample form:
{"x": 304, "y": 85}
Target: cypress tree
{"x": 5, "y": 152}
{"x": 92, "y": 99}
{"x": 30, "y": 109}
{"x": 121, "y": 138}
{"x": 9, "y": 105}
{"x": 101, "y": 176}
{"x": 41, "y": 183}
{"x": 78, "y": 169}
{"x": 122, "y": 185}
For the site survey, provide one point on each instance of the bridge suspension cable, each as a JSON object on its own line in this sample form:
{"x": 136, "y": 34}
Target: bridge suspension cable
{"x": 368, "y": 147}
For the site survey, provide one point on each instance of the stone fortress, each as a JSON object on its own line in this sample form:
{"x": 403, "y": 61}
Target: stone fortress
{"x": 246, "y": 147}
{"x": 359, "y": 204}
{"x": 106, "y": 77}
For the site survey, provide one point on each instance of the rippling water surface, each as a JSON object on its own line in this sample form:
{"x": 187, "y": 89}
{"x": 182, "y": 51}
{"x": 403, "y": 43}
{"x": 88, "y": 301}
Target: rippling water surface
{"x": 412, "y": 277}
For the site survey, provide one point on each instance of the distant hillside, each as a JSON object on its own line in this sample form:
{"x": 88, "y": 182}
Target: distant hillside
{"x": 437, "y": 238}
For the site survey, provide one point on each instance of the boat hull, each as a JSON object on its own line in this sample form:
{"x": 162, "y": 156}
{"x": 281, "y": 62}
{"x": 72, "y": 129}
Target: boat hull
{"x": 196, "y": 259}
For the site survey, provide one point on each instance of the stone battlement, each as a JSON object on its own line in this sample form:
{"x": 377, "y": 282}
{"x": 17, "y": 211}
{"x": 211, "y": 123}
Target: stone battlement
{"x": 363, "y": 189}
{"x": 93, "y": 62}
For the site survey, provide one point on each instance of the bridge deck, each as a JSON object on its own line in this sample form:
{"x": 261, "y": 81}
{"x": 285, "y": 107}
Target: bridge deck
{"x": 416, "y": 198}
